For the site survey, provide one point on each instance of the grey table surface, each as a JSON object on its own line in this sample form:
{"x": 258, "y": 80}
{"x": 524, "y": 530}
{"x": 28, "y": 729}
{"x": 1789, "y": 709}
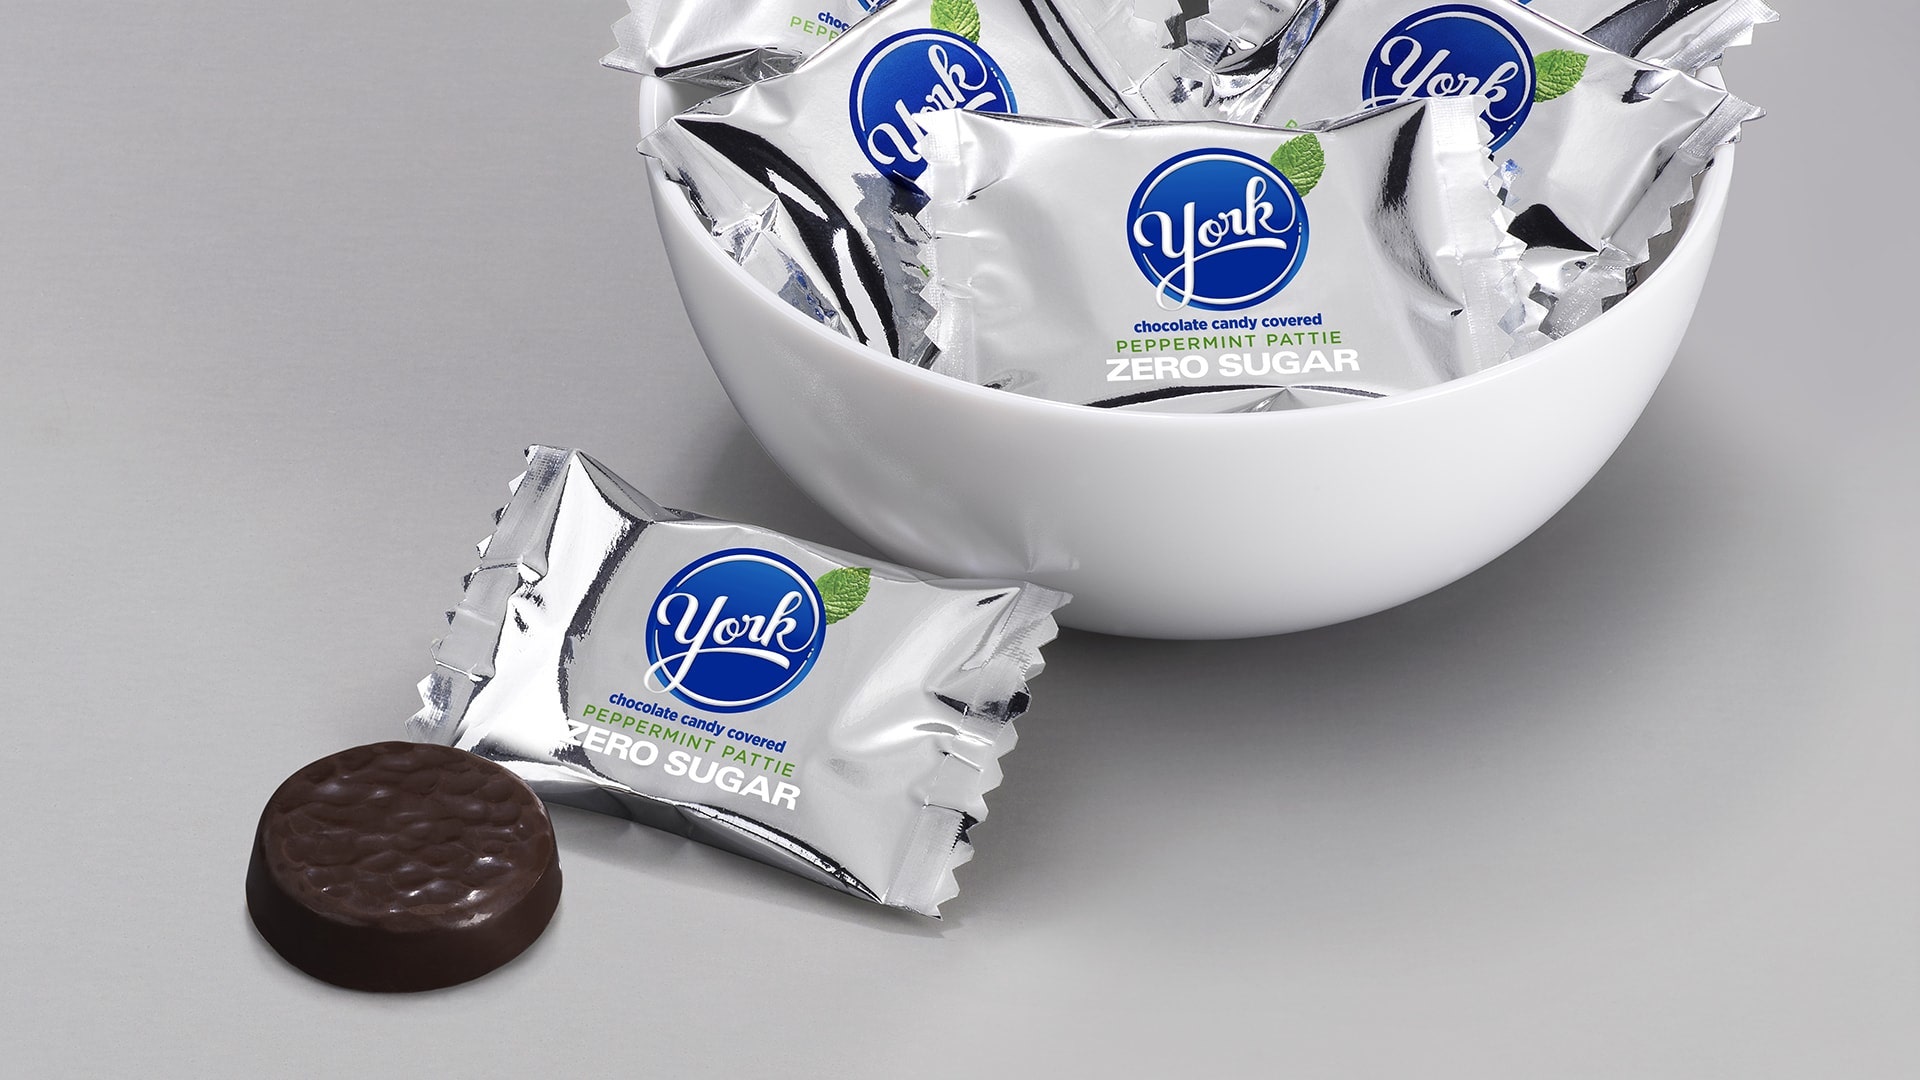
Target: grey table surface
{"x": 285, "y": 287}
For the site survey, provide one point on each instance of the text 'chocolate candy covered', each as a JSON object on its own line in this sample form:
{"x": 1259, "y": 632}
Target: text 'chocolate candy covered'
{"x": 401, "y": 866}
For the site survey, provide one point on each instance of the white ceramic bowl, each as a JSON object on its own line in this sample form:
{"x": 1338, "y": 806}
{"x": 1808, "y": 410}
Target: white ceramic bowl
{"x": 1173, "y": 526}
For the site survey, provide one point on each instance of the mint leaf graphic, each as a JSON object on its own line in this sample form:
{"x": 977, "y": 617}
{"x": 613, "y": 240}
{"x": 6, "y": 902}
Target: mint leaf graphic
{"x": 844, "y": 590}
{"x": 1557, "y": 71}
{"x": 957, "y": 17}
{"x": 1302, "y": 161}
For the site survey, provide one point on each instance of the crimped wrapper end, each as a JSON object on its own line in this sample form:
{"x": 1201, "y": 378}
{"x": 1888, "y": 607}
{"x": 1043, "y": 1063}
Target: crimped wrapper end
{"x": 509, "y": 556}
{"x": 1732, "y": 27}
{"x": 1495, "y": 284}
{"x": 630, "y": 54}
{"x": 948, "y": 254}
{"x": 996, "y": 693}
{"x": 1607, "y": 272}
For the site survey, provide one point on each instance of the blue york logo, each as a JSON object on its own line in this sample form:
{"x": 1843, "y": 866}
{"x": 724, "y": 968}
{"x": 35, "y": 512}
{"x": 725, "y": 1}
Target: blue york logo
{"x": 1452, "y": 51}
{"x": 1217, "y": 229}
{"x": 733, "y": 631}
{"x": 914, "y": 73}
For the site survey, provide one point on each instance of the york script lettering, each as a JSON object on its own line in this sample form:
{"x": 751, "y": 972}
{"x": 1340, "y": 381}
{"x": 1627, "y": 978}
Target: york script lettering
{"x": 953, "y": 89}
{"x": 1415, "y": 74}
{"x": 764, "y": 637}
{"x": 1192, "y": 241}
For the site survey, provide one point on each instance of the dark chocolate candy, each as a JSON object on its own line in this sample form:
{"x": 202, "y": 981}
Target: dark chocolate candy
{"x": 402, "y": 866}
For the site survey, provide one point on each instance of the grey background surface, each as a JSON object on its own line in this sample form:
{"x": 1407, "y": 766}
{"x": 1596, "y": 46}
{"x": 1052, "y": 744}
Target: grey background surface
{"x": 285, "y": 287}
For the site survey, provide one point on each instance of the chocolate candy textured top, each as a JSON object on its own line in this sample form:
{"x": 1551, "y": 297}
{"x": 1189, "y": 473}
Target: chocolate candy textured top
{"x": 402, "y": 866}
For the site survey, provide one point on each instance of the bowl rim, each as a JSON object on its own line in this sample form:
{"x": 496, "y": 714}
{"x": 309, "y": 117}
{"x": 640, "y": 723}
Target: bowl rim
{"x": 1712, "y": 193}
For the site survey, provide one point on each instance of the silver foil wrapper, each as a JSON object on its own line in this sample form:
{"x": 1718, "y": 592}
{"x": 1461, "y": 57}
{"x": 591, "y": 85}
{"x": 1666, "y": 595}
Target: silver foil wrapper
{"x": 728, "y": 44}
{"x": 807, "y": 180}
{"x": 828, "y": 714}
{"x": 1237, "y": 42}
{"x": 1217, "y": 33}
{"x": 1595, "y": 148}
{"x": 1220, "y": 267}
{"x": 1686, "y": 34}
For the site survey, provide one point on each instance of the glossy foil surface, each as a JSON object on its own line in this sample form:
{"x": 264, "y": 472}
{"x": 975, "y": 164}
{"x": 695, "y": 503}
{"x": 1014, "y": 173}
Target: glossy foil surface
{"x": 833, "y": 715}
{"x": 1212, "y": 267}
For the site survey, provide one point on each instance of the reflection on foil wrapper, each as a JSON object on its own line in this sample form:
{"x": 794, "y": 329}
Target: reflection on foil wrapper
{"x": 808, "y": 180}
{"x": 1230, "y": 49}
{"x": 1220, "y": 267}
{"x": 834, "y": 716}
{"x": 1596, "y": 148}
{"x": 1685, "y": 34}
{"x": 1217, "y": 33}
{"x": 727, "y": 45}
